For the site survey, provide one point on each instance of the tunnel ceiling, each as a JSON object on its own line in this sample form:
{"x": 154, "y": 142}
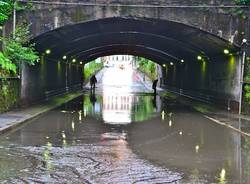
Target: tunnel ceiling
{"x": 158, "y": 40}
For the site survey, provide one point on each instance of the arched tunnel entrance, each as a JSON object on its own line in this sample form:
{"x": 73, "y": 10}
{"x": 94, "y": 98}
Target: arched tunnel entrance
{"x": 132, "y": 137}
{"x": 192, "y": 60}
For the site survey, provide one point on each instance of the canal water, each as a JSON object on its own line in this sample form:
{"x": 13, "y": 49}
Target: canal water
{"x": 122, "y": 134}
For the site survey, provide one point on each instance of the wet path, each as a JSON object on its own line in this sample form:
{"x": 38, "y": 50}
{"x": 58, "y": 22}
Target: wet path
{"x": 122, "y": 136}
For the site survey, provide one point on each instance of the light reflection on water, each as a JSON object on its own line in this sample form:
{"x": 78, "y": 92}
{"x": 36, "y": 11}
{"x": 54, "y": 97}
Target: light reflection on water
{"x": 119, "y": 108}
{"x": 114, "y": 137}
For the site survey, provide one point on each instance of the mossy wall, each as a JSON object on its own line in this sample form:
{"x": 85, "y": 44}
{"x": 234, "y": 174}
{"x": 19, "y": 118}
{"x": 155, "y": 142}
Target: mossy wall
{"x": 9, "y": 94}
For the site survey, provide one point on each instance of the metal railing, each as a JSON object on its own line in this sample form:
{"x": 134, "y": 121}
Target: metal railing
{"x": 57, "y": 92}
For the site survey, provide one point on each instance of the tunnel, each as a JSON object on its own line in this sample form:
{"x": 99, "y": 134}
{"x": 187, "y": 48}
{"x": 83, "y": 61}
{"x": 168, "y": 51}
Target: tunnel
{"x": 201, "y": 63}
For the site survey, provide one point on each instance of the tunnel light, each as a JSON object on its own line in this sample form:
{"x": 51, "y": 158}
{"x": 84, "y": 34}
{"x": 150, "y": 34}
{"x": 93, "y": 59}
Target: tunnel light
{"x": 63, "y": 135}
{"x": 182, "y": 61}
{"x": 163, "y": 115}
{"x": 48, "y": 51}
{"x": 73, "y": 126}
{"x": 226, "y": 51}
{"x": 171, "y": 63}
{"x": 81, "y": 63}
{"x": 180, "y": 133}
{"x": 73, "y": 60}
{"x": 197, "y": 147}
{"x": 170, "y": 123}
{"x": 222, "y": 174}
{"x": 199, "y": 57}
{"x": 64, "y": 57}
{"x": 244, "y": 41}
{"x": 164, "y": 65}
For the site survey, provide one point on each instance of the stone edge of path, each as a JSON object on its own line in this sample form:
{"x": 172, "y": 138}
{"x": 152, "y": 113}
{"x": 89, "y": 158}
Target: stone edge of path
{"x": 24, "y": 115}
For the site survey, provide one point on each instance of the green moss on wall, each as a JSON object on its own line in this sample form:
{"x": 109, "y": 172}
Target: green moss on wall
{"x": 9, "y": 94}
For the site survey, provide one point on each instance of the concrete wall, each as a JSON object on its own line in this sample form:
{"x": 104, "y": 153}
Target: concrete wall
{"x": 216, "y": 81}
{"x": 216, "y": 78}
{"x": 9, "y": 94}
{"x": 224, "y": 22}
{"x": 48, "y": 78}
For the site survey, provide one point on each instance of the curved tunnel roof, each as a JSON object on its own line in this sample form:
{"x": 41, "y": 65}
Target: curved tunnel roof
{"x": 158, "y": 40}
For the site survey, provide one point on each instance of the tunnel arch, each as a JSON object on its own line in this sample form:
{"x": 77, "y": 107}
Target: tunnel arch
{"x": 161, "y": 41}
{"x": 176, "y": 40}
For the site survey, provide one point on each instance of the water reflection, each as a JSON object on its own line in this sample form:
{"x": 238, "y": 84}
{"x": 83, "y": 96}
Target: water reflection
{"x": 205, "y": 151}
{"x": 120, "y": 109}
{"x": 183, "y": 142}
{"x": 160, "y": 141}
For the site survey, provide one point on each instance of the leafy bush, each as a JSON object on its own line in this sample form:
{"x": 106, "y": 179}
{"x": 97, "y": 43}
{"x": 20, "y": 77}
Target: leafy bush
{"x": 242, "y": 2}
{"x": 147, "y": 66}
{"x": 91, "y": 68}
{"x": 18, "y": 49}
{"x": 6, "y": 7}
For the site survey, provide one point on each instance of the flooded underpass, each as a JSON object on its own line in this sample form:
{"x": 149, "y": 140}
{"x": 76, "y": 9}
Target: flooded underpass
{"x": 123, "y": 134}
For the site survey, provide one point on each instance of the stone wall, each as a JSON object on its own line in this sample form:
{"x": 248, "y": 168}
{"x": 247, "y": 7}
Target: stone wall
{"x": 215, "y": 81}
{"x": 230, "y": 23}
{"x": 9, "y": 94}
{"x": 48, "y": 78}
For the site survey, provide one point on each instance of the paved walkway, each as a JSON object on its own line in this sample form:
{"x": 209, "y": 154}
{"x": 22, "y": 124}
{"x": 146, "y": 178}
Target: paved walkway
{"x": 14, "y": 119}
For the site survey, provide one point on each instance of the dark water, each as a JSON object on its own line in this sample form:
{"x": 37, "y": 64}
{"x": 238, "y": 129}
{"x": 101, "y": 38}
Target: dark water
{"x": 74, "y": 144}
{"x": 119, "y": 136}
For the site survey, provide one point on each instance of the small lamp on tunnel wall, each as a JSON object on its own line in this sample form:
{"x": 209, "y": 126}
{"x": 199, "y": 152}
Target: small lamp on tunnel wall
{"x": 73, "y": 60}
{"x": 226, "y": 51}
{"x": 199, "y": 58}
{"x": 48, "y": 51}
{"x": 182, "y": 61}
{"x": 64, "y": 57}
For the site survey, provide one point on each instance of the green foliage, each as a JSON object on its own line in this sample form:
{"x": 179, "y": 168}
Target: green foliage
{"x": 242, "y": 2}
{"x": 147, "y": 66}
{"x": 247, "y": 78}
{"x": 8, "y": 94}
{"x": 247, "y": 94}
{"x": 18, "y": 49}
{"x": 6, "y": 8}
{"x": 91, "y": 68}
{"x": 6, "y": 64}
